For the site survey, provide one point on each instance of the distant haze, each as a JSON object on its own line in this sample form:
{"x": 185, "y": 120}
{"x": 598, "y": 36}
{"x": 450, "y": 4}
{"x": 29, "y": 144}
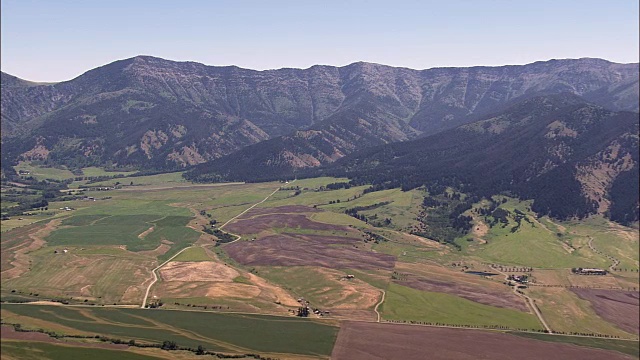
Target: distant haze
{"x": 50, "y": 41}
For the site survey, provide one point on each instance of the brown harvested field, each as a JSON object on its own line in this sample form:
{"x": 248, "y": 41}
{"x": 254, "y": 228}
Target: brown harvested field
{"x": 308, "y": 250}
{"x": 188, "y": 271}
{"x": 261, "y": 223}
{"x": 375, "y": 341}
{"x": 427, "y": 277}
{"x": 287, "y": 209}
{"x": 621, "y": 308}
{"x": 9, "y": 333}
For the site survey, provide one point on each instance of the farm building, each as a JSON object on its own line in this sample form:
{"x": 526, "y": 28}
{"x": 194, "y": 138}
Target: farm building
{"x": 589, "y": 271}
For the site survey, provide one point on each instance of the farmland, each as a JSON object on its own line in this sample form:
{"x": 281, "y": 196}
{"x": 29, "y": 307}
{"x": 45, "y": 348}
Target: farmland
{"x": 298, "y": 246}
{"x": 231, "y": 332}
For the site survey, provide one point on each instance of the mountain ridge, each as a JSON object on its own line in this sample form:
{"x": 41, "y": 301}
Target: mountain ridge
{"x": 149, "y": 112}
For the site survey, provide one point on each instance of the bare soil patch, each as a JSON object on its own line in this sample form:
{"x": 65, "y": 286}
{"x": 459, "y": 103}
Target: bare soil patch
{"x": 145, "y": 233}
{"x": 260, "y": 223}
{"x": 160, "y": 250}
{"x": 374, "y": 341}
{"x": 197, "y": 271}
{"x": 8, "y": 333}
{"x": 621, "y": 308}
{"x": 273, "y": 292}
{"x": 287, "y": 209}
{"x": 308, "y": 250}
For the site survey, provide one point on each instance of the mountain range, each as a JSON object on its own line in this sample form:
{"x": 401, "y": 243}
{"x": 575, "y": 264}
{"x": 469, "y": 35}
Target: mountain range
{"x": 151, "y": 113}
{"x": 561, "y": 132}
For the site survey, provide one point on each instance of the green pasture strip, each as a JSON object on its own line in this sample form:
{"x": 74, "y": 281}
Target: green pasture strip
{"x": 314, "y": 183}
{"x": 310, "y": 198}
{"x": 28, "y": 350}
{"x": 193, "y": 254}
{"x": 41, "y": 173}
{"x": 260, "y": 333}
{"x": 404, "y": 303}
{"x": 159, "y": 179}
{"x": 96, "y": 171}
{"x": 623, "y": 346}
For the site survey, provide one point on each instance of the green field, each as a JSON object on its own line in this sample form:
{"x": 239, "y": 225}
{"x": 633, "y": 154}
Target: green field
{"x": 532, "y": 244}
{"x": 41, "y": 173}
{"x": 26, "y": 350}
{"x": 193, "y": 254}
{"x": 122, "y": 222}
{"x": 215, "y": 331}
{"x": 564, "y": 311}
{"x": 404, "y": 303}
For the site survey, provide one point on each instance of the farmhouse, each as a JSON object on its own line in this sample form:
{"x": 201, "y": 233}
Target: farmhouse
{"x": 589, "y": 271}
{"x": 522, "y": 279}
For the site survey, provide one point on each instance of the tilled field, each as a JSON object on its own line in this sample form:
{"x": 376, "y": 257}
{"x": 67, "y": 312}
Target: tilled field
{"x": 374, "y": 341}
{"x": 260, "y": 223}
{"x": 621, "y": 308}
{"x": 308, "y": 250}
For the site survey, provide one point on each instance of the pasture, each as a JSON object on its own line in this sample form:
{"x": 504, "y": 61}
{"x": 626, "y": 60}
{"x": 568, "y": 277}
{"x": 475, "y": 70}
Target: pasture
{"x": 566, "y": 312}
{"x": 218, "y": 332}
{"x": 407, "y": 304}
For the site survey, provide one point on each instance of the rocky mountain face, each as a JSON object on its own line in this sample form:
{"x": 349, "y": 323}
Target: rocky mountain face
{"x": 152, "y": 113}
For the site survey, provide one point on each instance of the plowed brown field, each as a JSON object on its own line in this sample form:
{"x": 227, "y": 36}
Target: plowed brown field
{"x": 309, "y": 250}
{"x": 374, "y": 341}
{"x": 621, "y": 308}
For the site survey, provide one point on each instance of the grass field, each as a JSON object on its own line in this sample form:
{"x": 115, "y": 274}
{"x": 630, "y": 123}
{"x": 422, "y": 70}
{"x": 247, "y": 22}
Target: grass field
{"x": 532, "y": 244}
{"x": 122, "y": 222}
{"x": 193, "y": 254}
{"x": 96, "y": 171}
{"x": 403, "y": 303}
{"x": 28, "y": 350}
{"x": 564, "y": 311}
{"x": 222, "y": 332}
{"x": 42, "y": 173}
{"x": 627, "y": 347}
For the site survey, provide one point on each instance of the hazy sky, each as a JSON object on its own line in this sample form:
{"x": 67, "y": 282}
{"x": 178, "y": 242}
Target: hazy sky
{"x": 56, "y": 40}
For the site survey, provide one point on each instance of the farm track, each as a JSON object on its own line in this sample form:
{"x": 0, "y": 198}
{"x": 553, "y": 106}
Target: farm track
{"x": 615, "y": 262}
{"x": 529, "y": 302}
{"x": 155, "y": 270}
{"x": 384, "y": 293}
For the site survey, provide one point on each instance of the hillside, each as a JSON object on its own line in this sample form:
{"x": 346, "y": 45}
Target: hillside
{"x": 572, "y": 158}
{"x": 152, "y": 113}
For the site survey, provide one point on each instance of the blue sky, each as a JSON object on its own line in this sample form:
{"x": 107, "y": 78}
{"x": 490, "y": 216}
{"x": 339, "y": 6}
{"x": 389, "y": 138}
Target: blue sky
{"x": 58, "y": 40}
